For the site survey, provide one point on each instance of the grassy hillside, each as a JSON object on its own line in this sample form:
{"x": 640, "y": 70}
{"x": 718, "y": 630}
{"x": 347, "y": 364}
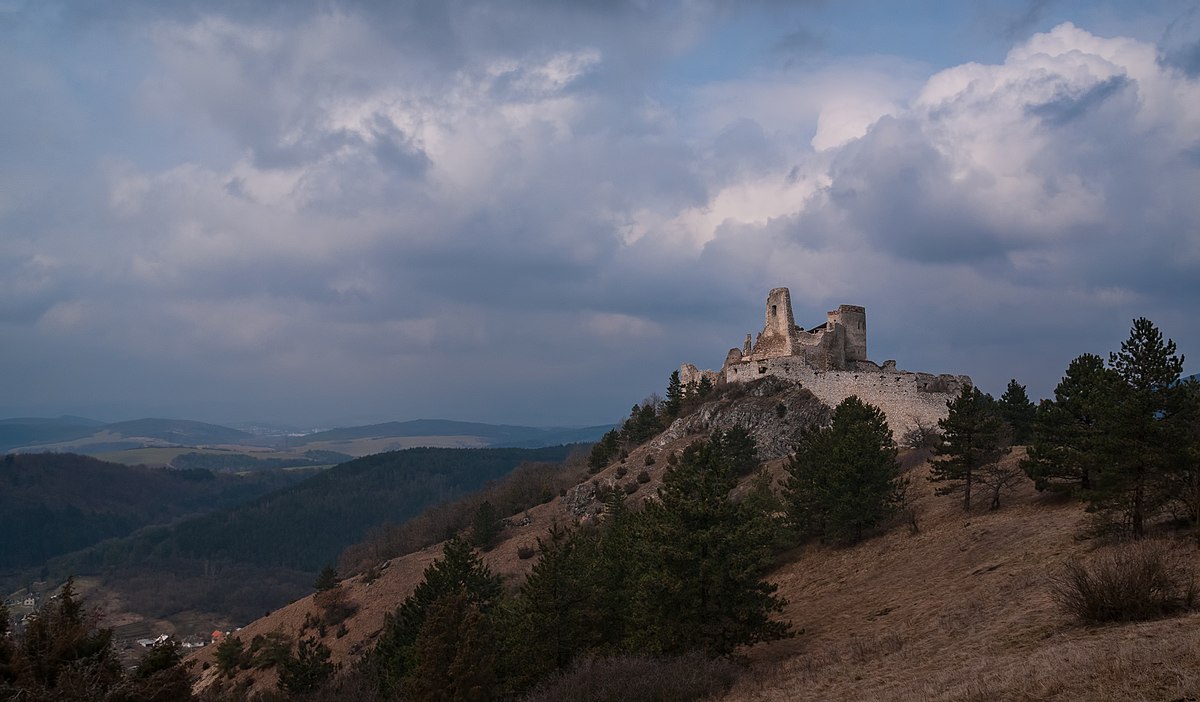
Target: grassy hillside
{"x": 958, "y": 610}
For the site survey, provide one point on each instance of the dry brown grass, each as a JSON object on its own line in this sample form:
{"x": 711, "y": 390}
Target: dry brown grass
{"x": 962, "y": 611}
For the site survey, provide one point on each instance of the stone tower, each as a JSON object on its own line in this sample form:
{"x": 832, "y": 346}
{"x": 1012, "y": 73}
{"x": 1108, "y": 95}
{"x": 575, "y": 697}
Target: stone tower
{"x": 854, "y": 320}
{"x": 779, "y": 329}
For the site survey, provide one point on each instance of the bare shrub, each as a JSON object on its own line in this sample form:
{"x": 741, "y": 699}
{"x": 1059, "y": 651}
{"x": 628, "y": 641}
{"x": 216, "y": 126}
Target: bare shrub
{"x": 649, "y": 460}
{"x": 922, "y": 436}
{"x": 643, "y": 477}
{"x": 631, "y": 487}
{"x": 639, "y": 679}
{"x": 1131, "y": 582}
{"x": 335, "y": 605}
{"x": 525, "y": 552}
{"x": 622, "y": 471}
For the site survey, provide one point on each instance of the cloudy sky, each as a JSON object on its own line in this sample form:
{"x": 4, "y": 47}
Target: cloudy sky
{"x": 532, "y": 211}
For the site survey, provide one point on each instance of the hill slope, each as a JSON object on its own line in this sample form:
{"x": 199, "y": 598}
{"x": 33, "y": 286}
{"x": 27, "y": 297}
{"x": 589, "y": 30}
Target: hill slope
{"x": 960, "y": 610}
{"x": 51, "y": 504}
{"x": 235, "y": 563}
{"x": 493, "y": 435}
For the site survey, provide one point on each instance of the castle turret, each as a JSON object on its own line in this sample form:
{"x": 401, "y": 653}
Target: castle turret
{"x": 779, "y": 328}
{"x": 854, "y": 320}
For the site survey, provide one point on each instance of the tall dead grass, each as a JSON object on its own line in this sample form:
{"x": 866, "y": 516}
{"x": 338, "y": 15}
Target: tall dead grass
{"x": 1132, "y": 581}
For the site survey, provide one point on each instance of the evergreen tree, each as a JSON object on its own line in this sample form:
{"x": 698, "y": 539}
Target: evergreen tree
{"x": 1144, "y": 438}
{"x": 161, "y": 656}
{"x": 558, "y": 613}
{"x": 704, "y": 388}
{"x": 161, "y": 676}
{"x": 308, "y": 669}
{"x": 674, "y": 402}
{"x": 1016, "y": 409}
{"x": 1066, "y": 451}
{"x": 327, "y": 579}
{"x": 485, "y": 526}
{"x": 973, "y": 436}
{"x": 7, "y": 674}
{"x": 230, "y": 655}
{"x": 643, "y": 424}
{"x": 455, "y": 653}
{"x": 700, "y": 559}
{"x": 604, "y": 450}
{"x": 845, "y": 478}
{"x": 737, "y": 449}
{"x": 459, "y": 568}
{"x": 1186, "y": 479}
{"x": 62, "y": 654}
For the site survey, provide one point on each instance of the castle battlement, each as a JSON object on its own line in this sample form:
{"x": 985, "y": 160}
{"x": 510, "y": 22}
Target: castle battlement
{"x": 830, "y": 360}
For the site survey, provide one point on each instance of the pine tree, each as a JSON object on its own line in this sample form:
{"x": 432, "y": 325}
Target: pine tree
{"x": 604, "y": 450}
{"x": 327, "y": 579}
{"x": 700, "y": 559}
{"x": 230, "y": 654}
{"x": 485, "y": 526}
{"x": 674, "y": 402}
{"x": 973, "y": 436}
{"x": 738, "y": 450}
{"x": 63, "y": 654}
{"x": 1066, "y": 451}
{"x": 1016, "y": 409}
{"x": 7, "y": 674}
{"x": 459, "y": 568}
{"x": 308, "y": 669}
{"x": 558, "y": 613}
{"x": 845, "y": 478}
{"x": 455, "y": 653}
{"x": 1186, "y": 479}
{"x": 1144, "y": 438}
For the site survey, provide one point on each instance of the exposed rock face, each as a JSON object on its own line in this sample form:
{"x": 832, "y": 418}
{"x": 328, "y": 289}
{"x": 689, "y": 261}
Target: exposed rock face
{"x": 775, "y": 411}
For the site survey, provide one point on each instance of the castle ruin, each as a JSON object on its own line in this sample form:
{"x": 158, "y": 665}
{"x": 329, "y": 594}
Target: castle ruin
{"x": 830, "y": 360}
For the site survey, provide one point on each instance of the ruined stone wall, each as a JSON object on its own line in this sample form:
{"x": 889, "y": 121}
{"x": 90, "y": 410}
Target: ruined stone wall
{"x": 689, "y": 374}
{"x": 906, "y": 398}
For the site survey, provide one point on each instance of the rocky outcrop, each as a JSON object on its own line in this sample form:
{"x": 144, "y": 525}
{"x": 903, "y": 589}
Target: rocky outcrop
{"x": 775, "y": 411}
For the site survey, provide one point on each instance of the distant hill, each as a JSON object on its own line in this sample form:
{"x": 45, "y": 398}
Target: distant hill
{"x": 121, "y": 441}
{"x": 22, "y": 431}
{"x": 179, "y": 431}
{"x": 236, "y": 562}
{"x": 54, "y": 503}
{"x": 495, "y": 435}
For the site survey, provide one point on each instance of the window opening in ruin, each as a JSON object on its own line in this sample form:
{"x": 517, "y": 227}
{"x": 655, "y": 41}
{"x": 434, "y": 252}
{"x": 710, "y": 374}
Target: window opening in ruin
{"x": 772, "y": 310}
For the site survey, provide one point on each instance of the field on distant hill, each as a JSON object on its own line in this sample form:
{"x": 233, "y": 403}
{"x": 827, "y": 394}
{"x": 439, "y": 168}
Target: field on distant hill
{"x": 158, "y": 442}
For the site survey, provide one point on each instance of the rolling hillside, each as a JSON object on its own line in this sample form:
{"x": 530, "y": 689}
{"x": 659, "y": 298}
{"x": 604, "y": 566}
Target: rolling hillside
{"x": 234, "y": 563}
{"x": 949, "y": 606}
{"x": 159, "y": 442}
{"x": 52, "y": 504}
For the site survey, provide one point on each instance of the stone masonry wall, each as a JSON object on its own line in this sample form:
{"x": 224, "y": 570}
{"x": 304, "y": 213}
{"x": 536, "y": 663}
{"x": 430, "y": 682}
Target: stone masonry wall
{"x": 906, "y": 398}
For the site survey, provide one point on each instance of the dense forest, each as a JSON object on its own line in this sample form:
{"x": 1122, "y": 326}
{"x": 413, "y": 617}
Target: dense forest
{"x": 256, "y": 556}
{"x": 52, "y": 504}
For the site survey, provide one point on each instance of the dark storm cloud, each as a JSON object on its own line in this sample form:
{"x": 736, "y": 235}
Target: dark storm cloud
{"x": 498, "y": 212}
